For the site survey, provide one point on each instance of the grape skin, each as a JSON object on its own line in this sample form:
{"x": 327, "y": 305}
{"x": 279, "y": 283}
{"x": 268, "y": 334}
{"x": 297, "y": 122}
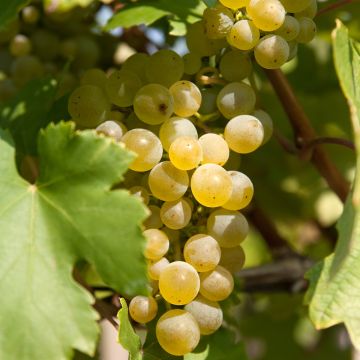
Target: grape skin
{"x": 143, "y": 308}
{"x": 157, "y": 244}
{"x": 307, "y": 30}
{"x": 292, "y": 6}
{"x": 235, "y": 66}
{"x": 153, "y": 221}
{"x": 290, "y": 29}
{"x": 111, "y": 129}
{"x": 176, "y": 214}
{"x": 177, "y": 332}
{"x": 232, "y": 259}
{"x": 215, "y": 149}
{"x": 218, "y": 21}
{"x": 155, "y": 267}
{"x": 185, "y": 153}
{"x": 244, "y": 35}
{"x": 266, "y": 122}
{"x": 192, "y": 63}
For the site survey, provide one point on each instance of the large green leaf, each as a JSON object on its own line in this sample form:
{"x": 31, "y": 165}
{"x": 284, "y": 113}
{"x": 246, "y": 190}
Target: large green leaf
{"x": 334, "y": 293}
{"x": 147, "y": 12}
{"x": 70, "y": 213}
{"x": 9, "y": 10}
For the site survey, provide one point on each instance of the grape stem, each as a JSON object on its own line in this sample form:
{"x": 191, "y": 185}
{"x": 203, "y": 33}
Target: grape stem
{"x": 334, "y": 6}
{"x": 304, "y": 133}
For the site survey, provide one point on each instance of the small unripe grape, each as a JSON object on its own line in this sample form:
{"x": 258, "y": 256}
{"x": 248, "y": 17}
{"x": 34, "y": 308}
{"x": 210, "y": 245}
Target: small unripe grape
{"x": 136, "y": 63}
{"x": 202, "y": 252}
{"x": 157, "y": 244}
{"x": 266, "y": 122}
{"x": 244, "y": 35}
{"x": 176, "y": 214}
{"x": 242, "y": 191}
{"x": 177, "y": 332}
{"x": 179, "y": 283}
{"x": 187, "y": 98}
{"x": 111, "y": 129}
{"x": 168, "y": 183}
{"x": 307, "y": 30}
{"x": 192, "y": 63}
{"x": 290, "y": 29}
{"x": 216, "y": 285}
{"x": 232, "y": 259}
{"x": 208, "y": 314}
{"x": 228, "y": 227}
{"x": 211, "y": 185}
{"x": 30, "y": 14}
{"x": 244, "y": 134}
{"x": 140, "y": 192}
{"x": 218, "y": 21}
{"x": 153, "y": 221}
{"x": 143, "y": 308}
{"x": 20, "y": 45}
{"x": 155, "y": 267}
{"x": 292, "y": 6}
{"x": 146, "y": 146}
{"x": 95, "y": 77}
{"x": 185, "y": 153}
{"x": 235, "y": 66}
{"x": 215, "y": 149}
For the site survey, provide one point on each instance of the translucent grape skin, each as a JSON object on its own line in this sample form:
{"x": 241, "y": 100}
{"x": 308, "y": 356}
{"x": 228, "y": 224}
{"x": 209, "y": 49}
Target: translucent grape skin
{"x": 218, "y": 21}
{"x": 179, "y": 283}
{"x": 111, "y": 129}
{"x": 290, "y": 29}
{"x": 208, "y": 314}
{"x": 211, "y": 185}
{"x": 174, "y": 128}
{"x": 216, "y": 285}
{"x": 146, "y": 145}
{"x": 244, "y": 35}
{"x": 215, "y": 149}
{"x": 242, "y": 191}
{"x": 143, "y": 309}
{"x": 229, "y": 228}
{"x": 177, "y": 332}
{"x": 185, "y": 153}
{"x": 164, "y": 67}
{"x": 155, "y": 267}
{"x": 234, "y": 4}
{"x": 307, "y": 30}
{"x": 168, "y": 183}
{"x": 157, "y": 244}
{"x": 202, "y": 252}
{"x": 95, "y": 77}
{"x": 266, "y": 122}
{"x": 176, "y": 214}
{"x": 192, "y": 63}
{"x": 153, "y": 221}
{"x": 140, "y": 192}
{"x": 309, "y": 12}
{"x": 136, "y": 63}
{"x": 187, "y": 98}
{"x": 235, "y": 99}
{"x": 153, "y": 104}
{"x": 232, "y": 259}
{"x": 272, "y": 52}
{"x": 244, "y": 134}
{"x": 235, "y": 66}
{"x": 292, "y": 6}
{"x": 267, "y": 15}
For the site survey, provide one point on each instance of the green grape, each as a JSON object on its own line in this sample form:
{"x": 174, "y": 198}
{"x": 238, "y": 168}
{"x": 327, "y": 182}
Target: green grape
{"x": 177, "y": 332}
{"x": 187, "y": 98}
{"x": 118, "y": 117}
{"x": 155, "y": 267}
{"x": 157, "y": 244}
{"x": 95, "y": 77}
{"x": 185, "y": 153}
{"x": 198, "y": 43}
{"x": 218, "y": 21}
{"x": 88, "y": 106}
{"x": 87, "y": 52}
{"x": 46, "y": 44}
{"x": 309, "y": 12}
{"x": 68, "y": 48}
{"x": 121, "y": 87}
{"x": 228, "y": 227}
{"x": 146, "y": 146}
{"x": 20, "y": 45}
{"x": 111, "y": 129}
{"x": 266, "y": 122}
{"x": 232, "y": 259}
{"x": 267, "y": 15}
{"x": 244, "y": 134}
{"x": 292, "y": 6}
{"x": 174, "y": 128}
{"x": 30, "y": 14}
{"x": 9, "y": 31}
{"x": 293, "y": 49}
{"x": 141, "y": 193}
{"x": 192, "y": 63}
{"x": 153, "y": 221}
{"x": 236, "y": 99}
{"x": 215, "y": 149}
{"x": 176, "y": 214}
{"x": 244, "y": 35}
{"x": 136, "y": 63}
{"x": 164, "y": 67}
{"x": 211, "y": 185}
{"x": 235, "y": 66}
{"x": 153, "y": 104}
{"x": 272, "y": 52}
{"x": 179, "y": 283}
{"x": 66, "y": 83}
{"x": 208, "y": 314}
{"x": 290, "y": 29}
{"x": 7, "y": 90}
{"x": 235, "y": 4}
{"x": 217, "y": 284}
{"x": 202, "y": 252}
{"x": 242, "y": 191}
{"x": 208, "y": 103}
{"x": 143, "y": 308}
{"x": 307, "y": 30}
{"x": 168, "y": 183}
{"x": 26, "y": 68}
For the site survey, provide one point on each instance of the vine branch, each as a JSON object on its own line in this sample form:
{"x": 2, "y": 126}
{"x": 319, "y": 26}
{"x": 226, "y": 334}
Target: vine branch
{"x": 334, "y": 6}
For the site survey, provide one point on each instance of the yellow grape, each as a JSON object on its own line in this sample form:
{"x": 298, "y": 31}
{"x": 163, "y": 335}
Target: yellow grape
{"x": 244, "y": 35}
{"x": 215, "y": 149}
{"x": 185, "y": 153}
{"x": 234, "y": 4}
{"x": 232, "y": 259}
{"x": 157, "y": 244}
{"x": 235, "y": 66}
{"x": 176, "y": 214}
{"x": 143, "y": 309}
{"x": 153, "y": 221}
{"x": 155, "y": 267}
{"x": 290, "y": 29}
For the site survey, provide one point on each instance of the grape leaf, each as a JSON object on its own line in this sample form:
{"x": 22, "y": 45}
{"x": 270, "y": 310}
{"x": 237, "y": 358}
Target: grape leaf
{"x": 147, "y": 12}
{"x": 9, "y": 10}
{"x": 127, "y": 336}
{"x": 70, "y": 213}
{"x": 210, "y": 3}
{"x": 334, "y": 290}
